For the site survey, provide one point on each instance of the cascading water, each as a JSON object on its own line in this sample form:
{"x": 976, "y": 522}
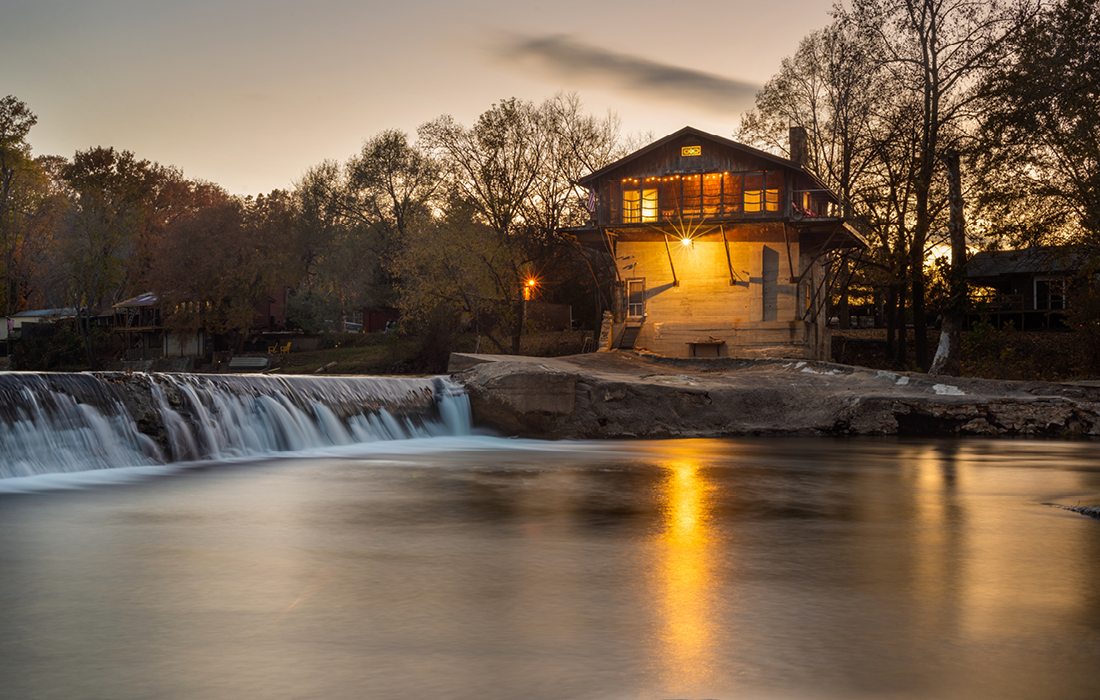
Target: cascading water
{"x": 52, "y": 423}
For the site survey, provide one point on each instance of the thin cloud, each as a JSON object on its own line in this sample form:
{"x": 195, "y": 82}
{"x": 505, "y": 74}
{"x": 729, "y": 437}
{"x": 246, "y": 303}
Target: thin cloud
{"x": 566, "y": 57}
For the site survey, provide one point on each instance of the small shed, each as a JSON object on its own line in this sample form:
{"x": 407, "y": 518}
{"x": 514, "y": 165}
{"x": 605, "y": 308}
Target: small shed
{"x": 13, "y": 323}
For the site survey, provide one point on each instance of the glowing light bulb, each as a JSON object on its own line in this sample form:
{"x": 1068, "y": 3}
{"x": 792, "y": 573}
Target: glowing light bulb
{"x": 685, "y": 242}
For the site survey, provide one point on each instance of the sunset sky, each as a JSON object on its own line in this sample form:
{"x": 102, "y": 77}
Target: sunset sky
{"x": 250, "y": 93}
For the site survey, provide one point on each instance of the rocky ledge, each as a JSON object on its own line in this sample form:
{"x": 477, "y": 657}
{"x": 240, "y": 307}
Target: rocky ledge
{"x": 612, "y": 395}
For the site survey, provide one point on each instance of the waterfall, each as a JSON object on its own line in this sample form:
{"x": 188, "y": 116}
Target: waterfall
{"x": 54, "y": 422}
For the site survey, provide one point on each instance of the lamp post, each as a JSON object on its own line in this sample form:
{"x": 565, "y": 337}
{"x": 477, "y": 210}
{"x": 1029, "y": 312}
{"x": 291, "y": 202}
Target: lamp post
{"x": 526, "y": 294}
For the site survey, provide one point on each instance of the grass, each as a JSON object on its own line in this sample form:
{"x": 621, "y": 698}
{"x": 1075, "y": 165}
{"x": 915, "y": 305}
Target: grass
{"x": 375, "y": 354}
{"x": 378, "y": 353}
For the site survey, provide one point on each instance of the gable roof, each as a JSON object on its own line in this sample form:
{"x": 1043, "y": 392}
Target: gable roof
{"x": 692, "y": 131}
{"x": 144, "y": 299}
{"x": 1054, "y": 259}
{"x": 66, "y": 312}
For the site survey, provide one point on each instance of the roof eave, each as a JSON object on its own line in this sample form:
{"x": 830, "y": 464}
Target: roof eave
{"x": 698, "y": 132}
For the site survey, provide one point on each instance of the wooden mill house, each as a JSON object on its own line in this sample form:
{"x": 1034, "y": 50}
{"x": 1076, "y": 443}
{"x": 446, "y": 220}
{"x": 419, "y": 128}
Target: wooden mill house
{"x": 719, "y": 249}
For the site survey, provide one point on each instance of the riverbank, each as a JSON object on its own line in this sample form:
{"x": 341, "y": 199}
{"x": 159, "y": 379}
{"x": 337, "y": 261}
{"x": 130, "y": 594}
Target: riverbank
{"x": 618, "y": 395}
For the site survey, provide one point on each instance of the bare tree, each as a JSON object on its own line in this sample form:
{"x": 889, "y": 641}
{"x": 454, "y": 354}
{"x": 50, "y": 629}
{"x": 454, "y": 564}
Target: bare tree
{"x": 938, "y": 51}
{"x": 515, "y": 172}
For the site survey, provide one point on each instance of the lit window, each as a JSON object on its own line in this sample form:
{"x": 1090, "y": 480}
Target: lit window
{"x": 693, "y": 195}
{"x": 761, "y": 200}
{"x": 639, "y": 206}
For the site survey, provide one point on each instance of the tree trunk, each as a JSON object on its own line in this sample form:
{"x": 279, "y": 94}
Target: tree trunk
{"x": 517, "y": 332}
{"x": 902, "y": 358}
{"x": 916, "y": 285}
{"x": 84, "y": 324}
{"x": 890, "y": 316}
{"x": 843, "y": 308}
{"x": 948, "y": 355}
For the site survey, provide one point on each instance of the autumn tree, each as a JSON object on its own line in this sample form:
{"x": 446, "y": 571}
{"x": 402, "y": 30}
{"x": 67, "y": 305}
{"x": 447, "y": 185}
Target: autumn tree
{"x": 449, "y": 269}
{"x": 16, "y": 168}
{"x": 109, "y": 194}
{"x": 390, "y": 186}
{"x": 832, "y": 86}
{"x": 352, "y": 219}
{"x": 317, "y": 199}
{"x": 40, "y": 206}
{"x": 576, "y": 144}
{"x": 218, "y": 263}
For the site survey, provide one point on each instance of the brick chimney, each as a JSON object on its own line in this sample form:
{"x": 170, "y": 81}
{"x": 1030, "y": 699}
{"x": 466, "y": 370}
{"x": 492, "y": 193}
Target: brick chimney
{"x": 800, "y": 145}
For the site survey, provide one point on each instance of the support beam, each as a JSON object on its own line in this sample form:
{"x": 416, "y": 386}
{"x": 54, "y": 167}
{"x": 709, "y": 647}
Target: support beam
{"x": 607, "y": 239}
{"x": 675, "y": 281}
{"x": 729, "y": 261}
{"x": 790, "y": 259}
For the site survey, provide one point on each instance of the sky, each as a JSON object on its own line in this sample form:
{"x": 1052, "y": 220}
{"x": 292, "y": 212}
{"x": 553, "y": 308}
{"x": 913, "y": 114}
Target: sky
{"x": 251, "y": 93}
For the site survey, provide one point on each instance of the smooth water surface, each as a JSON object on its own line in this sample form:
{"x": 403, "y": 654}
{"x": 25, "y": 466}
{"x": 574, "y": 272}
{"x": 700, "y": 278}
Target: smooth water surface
{"x": 484, "y": 568}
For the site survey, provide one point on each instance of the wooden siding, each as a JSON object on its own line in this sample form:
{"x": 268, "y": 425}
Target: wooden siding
{"x": 738, "y": 171}
{"x": 761, "y": 314}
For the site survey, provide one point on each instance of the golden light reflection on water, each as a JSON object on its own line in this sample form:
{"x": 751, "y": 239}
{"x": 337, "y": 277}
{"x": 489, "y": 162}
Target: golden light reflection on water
{"x": 685, "y": 578}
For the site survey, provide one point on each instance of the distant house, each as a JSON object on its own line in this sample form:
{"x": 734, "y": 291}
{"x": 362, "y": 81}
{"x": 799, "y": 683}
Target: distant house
{"x": 12, "y": 327}
{"x": 138, "y": 321}
{"x": 719, "y": 249}
{"x": 1028, "y": 288}
{"x": 32, "y": 316}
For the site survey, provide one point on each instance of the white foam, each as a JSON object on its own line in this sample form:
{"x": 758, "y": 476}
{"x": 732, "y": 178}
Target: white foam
{"x": 77, "y": 423}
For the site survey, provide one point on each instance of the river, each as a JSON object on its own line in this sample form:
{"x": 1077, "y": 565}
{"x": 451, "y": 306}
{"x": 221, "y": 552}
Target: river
{"x": 476, "y": 567}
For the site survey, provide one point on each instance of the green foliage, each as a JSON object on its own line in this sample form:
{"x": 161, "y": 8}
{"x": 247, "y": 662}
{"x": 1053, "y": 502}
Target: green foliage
{"x": 456, "y": 270}
{"x": 307, "y": 312}
{"x": 55, "y": 346}
{"x": 19, "y": 183}
{"x": 110, "y": 195}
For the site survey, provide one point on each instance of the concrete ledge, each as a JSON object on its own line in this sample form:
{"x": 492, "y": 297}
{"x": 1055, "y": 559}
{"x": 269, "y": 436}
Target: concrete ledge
{"x": 460, "y": 361}
{"x": 621, "y": 394}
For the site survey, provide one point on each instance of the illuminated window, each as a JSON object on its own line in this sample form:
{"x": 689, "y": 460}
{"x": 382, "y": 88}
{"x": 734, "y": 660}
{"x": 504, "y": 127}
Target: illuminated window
{"x": 693, "y": 195}
{"x": 732, "y": 199}
{"x": 712, "y": 193}
{"x": 761, "y": 200}
{"x": 639, "y": 205}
